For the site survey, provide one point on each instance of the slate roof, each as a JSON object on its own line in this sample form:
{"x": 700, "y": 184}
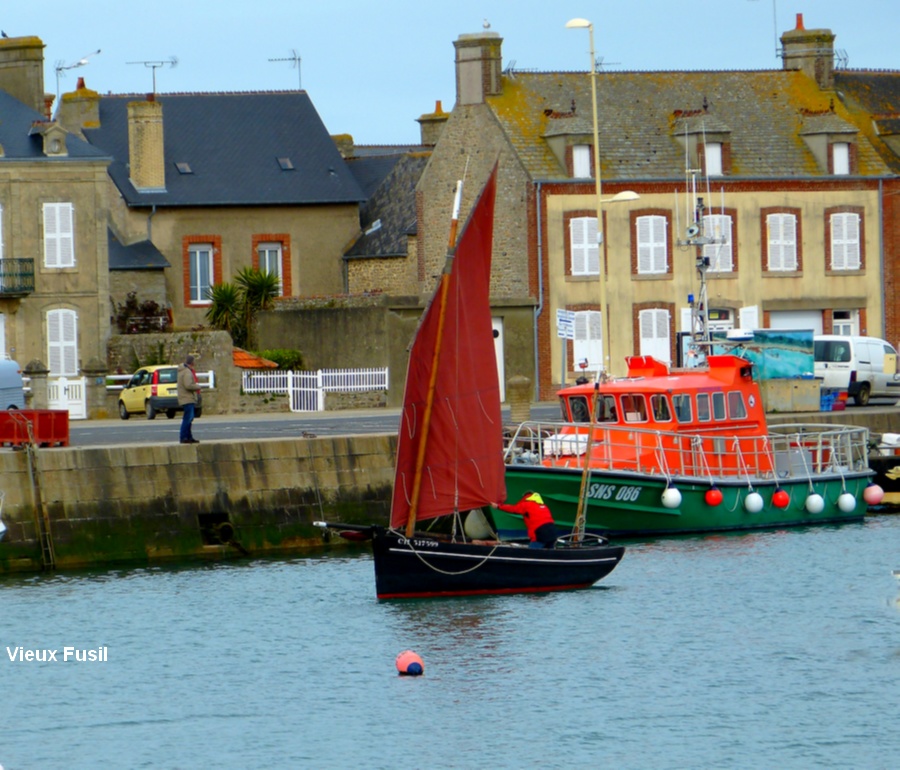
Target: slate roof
{"x": 641, "y": 113}
{"x": 19, "y": 142}
{"x": 874, "y": 98}
{"x": 232, "y": 143}
{"x": 389, "y": 215}
{"x": 142, "y": 255}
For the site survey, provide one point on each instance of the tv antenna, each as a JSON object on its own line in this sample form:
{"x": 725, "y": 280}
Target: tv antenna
{"x": 61, "y": 68}
{"x": 600, "y": 63}
{"x": 172, "y": 61}
{"x": 295, "y": 60}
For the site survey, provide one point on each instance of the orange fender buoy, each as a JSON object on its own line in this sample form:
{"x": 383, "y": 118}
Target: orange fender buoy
{"x": 410, "y": 664}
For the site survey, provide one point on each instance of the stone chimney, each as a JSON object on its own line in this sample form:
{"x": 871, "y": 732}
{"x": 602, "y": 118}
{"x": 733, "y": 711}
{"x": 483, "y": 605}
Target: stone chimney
{"x": 478, "y": 67}
{"x": 431, "y": 124}
{"x": 79, "y": 109}
{"x": 811, "y": 51}
{"x": 22, "y": 70}
{"x": 145, "y": 145}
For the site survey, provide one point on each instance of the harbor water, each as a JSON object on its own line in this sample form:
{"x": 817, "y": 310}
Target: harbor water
{"x": 760, "y": 650}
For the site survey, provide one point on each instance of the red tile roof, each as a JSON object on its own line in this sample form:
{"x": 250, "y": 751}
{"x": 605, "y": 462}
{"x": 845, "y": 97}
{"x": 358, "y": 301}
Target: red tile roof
{"x": 246, "y": 360}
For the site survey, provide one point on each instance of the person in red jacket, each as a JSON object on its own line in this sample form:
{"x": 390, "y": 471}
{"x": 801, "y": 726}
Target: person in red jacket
{"x": 538, "y": 519}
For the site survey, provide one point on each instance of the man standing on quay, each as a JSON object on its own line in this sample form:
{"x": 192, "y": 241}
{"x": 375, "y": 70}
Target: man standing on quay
{"x": 188, "y": 398}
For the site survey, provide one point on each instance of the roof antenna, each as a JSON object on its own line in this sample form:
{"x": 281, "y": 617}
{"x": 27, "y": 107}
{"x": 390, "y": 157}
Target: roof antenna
{"x": 61, "y": 68}
{"x": 172, "y": 61}
{"x": 295, "y": 58}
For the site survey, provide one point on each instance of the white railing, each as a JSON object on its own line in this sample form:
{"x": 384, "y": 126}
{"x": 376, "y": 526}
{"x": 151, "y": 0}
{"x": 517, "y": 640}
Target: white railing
{"x": 117, "y": 382}
{"x": 333, "y": 380}
{"x": 306, "y": 390}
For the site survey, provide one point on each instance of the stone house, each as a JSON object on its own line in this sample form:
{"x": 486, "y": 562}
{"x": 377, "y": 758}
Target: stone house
{"x": 796, "y": 183}
{"x": 54, "y": 270}
{"x": 206, "y": 184}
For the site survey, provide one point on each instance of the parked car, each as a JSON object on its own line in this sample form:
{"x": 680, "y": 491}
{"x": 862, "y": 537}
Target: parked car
{"x": 866, "y": 367}
{"x": 151, "y": 390}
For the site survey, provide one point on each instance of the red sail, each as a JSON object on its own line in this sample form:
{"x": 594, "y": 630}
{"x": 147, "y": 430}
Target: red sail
{"x": 463, "y": 449}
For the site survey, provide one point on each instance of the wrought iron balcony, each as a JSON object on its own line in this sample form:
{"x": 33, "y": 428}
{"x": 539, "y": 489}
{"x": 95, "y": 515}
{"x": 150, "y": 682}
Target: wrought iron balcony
{"x": 16, "y": 277}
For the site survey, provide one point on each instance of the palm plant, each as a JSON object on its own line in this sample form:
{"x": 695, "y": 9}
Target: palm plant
{"x": 234, "y": 306}
{"x": 225, "y": 311}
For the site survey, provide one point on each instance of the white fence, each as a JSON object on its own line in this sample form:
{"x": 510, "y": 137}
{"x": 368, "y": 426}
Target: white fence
{"x": 307, "y": 390}
{"x": 69, "y": 394}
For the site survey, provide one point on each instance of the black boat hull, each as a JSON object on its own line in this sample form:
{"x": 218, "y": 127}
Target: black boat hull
{"x": 424, "y": 566}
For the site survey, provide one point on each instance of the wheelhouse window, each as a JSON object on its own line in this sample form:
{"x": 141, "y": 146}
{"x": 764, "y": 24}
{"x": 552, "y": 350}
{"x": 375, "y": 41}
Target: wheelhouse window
{"x": 681, "y": 402}
{"x": 659, "y": 406}
{"x": 737, "y": 410}
{"x": 782, "y": 242}
{"x": 584, "y": 248}
{"x": 845, "y": 246}
{"x": 606, "y": 409}
{"x": 719, "y": 253}
{"x": 580, "y": 410}
{"x": 581, "y": 161}
{"x": 59, "y": 235}
{"x": 718, "y": 401}
{"x": 703, "y": 411}
{"x": 200, "y": 257}
{"x": 634, "y": 407}
{"x": 652, "y": 245}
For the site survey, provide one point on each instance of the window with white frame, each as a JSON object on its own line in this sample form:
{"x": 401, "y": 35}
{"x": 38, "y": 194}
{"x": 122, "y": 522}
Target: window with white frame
{"x": 62, "y": 342}
{"x": 845, "y": 241}
{"x": 652, "y": 245}
{"x": 654, "y": 327}
{"x": 840, "y": 158}
{"x": 782, "y": 242}
{"x": 718, "y": 228}
{"x": 845, "y": 322}
{"x": 584, "y": 247}
{"x": 581, "y": 161}
{"x": 59, "y": 235}
{"x": 588, "y": 342}
{"x": 200, "y": 256}
{"x": 270, "y": 260}
{"x": 713, "y": 157}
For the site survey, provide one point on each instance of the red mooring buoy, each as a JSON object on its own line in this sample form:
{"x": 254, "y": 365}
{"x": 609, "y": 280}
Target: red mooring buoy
{"x": 410, "y": 664}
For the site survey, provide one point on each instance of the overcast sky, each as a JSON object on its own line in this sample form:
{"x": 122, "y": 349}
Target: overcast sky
{"x": 371, "y": 68}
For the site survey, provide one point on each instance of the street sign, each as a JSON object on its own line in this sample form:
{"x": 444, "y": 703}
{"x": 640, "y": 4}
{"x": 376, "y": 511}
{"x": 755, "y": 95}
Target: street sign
{"x": 565, "y": 324}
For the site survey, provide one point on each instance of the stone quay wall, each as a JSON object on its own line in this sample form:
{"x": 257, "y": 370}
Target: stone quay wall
{"x": 90, "y": 507}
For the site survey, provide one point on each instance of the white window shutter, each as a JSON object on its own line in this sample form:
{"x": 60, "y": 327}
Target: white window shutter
{"x": 655, "y": 337}
{"x": 588, "y": 343}
{"x": 59, "y": 235}
{"x": 845, "y": 241}
{"x": 718, "y": 227}
{"x": 583, "y": 241}
{"x": 62, "y": 342}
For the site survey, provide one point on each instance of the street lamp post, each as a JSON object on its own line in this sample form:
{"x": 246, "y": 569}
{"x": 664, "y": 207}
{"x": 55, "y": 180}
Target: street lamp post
{"x": 626, "y": 195}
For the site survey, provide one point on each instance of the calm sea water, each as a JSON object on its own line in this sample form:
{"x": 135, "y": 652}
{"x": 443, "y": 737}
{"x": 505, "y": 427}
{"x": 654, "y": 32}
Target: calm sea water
{"x": 766, "y": 650}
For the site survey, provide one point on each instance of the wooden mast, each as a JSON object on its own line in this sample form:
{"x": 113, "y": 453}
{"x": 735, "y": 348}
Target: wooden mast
{"x": 432, "y": 380}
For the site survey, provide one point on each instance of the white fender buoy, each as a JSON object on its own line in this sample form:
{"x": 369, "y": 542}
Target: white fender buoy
{"x": 815, "y": 503}
{"x": 671, "y": 497}
{"x": 753, "y": 502}
{"x": 847, "y": 502}
{"x": 873, "y": 494}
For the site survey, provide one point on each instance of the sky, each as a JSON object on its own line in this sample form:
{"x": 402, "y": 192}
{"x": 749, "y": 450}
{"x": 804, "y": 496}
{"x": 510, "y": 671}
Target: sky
{"x": 372, "y": 68}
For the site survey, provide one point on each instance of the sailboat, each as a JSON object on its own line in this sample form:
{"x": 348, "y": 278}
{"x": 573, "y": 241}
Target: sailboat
{"x": 449, "y": 463}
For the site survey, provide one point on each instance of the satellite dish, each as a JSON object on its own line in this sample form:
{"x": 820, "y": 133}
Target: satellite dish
{"x": 693, "y": 231}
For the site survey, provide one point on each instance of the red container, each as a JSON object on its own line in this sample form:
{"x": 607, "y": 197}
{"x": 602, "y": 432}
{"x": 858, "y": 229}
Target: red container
{"x": 49, "y": 427}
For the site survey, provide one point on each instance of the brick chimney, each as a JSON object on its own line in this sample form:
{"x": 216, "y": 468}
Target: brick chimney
{"x": 431, "y": 124}
{"x": 79, "y": 109}
{"x": 22, "y": 70}
{"x": 145, "y": 145}
{"x": 810, "y": 51}
{"x": 478, "y": 66}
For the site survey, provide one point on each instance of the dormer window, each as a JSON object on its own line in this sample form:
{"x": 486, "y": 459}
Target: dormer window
{"x": 581, "y": 161}
{"x": 712, "y": 153}
{"x": 840, "y": 158}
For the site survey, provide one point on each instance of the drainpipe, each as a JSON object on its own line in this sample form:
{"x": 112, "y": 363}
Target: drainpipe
{"x": 881, "y": 256}
{"x": 150, "y": 222}
{"x": 540, "y": 305}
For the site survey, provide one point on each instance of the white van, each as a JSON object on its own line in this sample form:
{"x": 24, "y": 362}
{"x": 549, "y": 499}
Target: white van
{"x": 12, "y": 387}
{"x": 866, "y": 367}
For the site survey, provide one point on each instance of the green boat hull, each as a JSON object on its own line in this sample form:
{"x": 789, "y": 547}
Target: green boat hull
{"x": 626, "y": 504}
